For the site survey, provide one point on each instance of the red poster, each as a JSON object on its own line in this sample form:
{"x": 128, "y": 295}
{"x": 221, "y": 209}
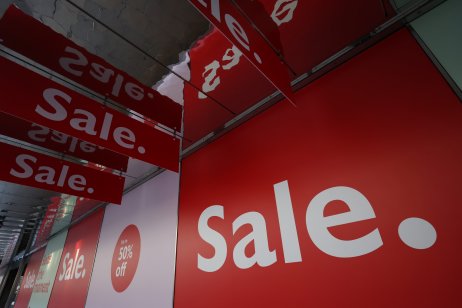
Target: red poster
{"x": 59, "y": 142}
{"x": 227, "y": 18}
{"x": 28, "y": 280}
{"x": 350, "y": 200}
{"x": 56, "y": 52}
{"x": 30, "y": 274}
{"x": 76, "y": 265}
{"x": 29, "y": 168}
{"x": 37, "y": 99}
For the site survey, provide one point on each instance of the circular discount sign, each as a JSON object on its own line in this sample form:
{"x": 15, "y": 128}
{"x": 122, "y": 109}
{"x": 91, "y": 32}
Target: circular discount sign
{"x": 125, "y": 258}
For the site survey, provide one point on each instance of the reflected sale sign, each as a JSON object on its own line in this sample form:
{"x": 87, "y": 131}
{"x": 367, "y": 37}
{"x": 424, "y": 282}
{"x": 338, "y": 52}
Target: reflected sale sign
{"x": 29, "y": 168}
{"x": 42, "y": 136}
{"x": 37, "y": 99}
{"x": 227, "y": 18}
{"x": 67, "y": 58}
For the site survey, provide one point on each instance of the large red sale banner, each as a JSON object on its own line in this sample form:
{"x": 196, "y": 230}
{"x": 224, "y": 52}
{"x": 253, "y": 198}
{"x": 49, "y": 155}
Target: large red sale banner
{"x": 350, "y": 200}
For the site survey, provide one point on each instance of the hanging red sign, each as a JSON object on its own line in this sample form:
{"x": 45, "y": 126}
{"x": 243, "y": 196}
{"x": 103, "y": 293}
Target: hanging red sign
{"x": 235, "y": 27}
{"x": 52, "y": 105}
{"x": 29, "y": 168}
{"x": 42, "y": 136}
{"x": 56, "y": 52}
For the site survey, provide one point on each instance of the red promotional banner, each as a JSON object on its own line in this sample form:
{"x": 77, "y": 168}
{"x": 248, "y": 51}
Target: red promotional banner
{"x": 25, "y": 167}
{"x": 37, "y": 99}
{"x": 76, "y": 265}
{"x": 30, "y": 274}
{"x": 227, "y": 18}
{"x": 353, "y": 202}
{"x": 42, "y": 136}
{"x": 65, "y": 57}
{"x": 28, "y": 281}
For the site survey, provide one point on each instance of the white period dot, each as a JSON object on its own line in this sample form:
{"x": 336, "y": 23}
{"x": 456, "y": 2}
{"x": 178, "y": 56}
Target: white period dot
{"x": 417, "y": 233}
{"x": 141, "y": 149}
{"x": 90, "y": 190}
{"x": 257, "y": 57}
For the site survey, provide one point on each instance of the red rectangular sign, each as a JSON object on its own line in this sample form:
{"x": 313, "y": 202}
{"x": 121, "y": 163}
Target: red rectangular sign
{"x": 354, "y": 202}
{"x": 28, "y": 281}
{"x": 25, "y": 167}
{"x": 56, "y": 52}
{"x": 42, "y": 136}
{"x": 227, "y": 18}
{"x": 37, "y": 99}
{"x": 75, "y": 268}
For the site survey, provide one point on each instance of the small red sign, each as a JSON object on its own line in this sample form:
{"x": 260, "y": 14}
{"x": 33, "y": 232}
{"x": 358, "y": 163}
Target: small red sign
{"x": 125, "y": 258}
{"x": 56, "y": 52}
{"x": 25, "y": 167}
{"x": 37, "y": 99}
{"x": 235, "y": 27}
{"x": 42, "y": 136}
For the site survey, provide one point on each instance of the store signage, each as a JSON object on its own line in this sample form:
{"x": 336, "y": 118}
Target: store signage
{"x": 26, "y": 167}
{"x": 56, "y": 107}
{"x": 136, "y": 248}
{"x": 58, "y": 53}
{"x": 28, "y": 282}
{"x": 49, "y": 266}
{"x": 43, "y": 136}
{"x": 74, "y": 271}
{"x": 317, "y": 224}
{"x": 227, "y": 18}
{"x": 125, "y": 258}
